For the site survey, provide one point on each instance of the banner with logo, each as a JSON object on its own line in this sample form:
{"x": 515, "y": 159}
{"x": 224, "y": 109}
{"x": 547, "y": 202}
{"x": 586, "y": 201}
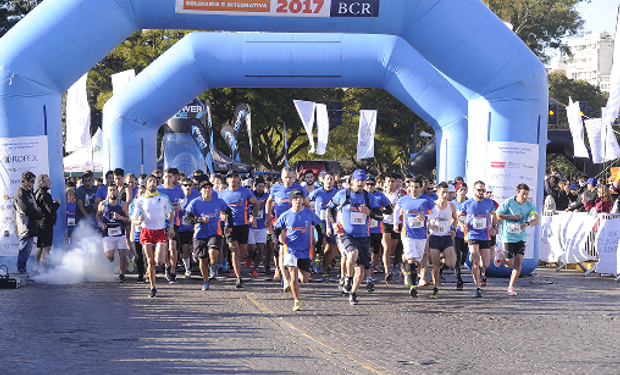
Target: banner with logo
{"x": 119, "y": 80}
{"x": 508, "y": 165}
{"x": 575, "y": 124}
{"x": 18, "y": 155}
{"x": 77, "y": 131}
{"x": 88, "y": 158}
{"x": 228, "y": 133}
{"x": 208, "y": 119}
{"x": 613, "y": 103}
{"x": 366, "y": 134}
{"x": 575, "y": 231}
{"x": 549, "y": 247}
{"x": 306, "y": 113}
{"x": 281, "y": 8}
{"x": 612, "y": 151}
{"x": 607, "y": 238}
{"x": 322, "y": 124}
{"x": 242, "y": 114}
{"x": 595, "y": 130}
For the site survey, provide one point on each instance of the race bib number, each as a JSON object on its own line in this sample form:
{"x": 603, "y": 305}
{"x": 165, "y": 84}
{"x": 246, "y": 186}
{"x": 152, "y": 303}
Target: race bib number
{"x": 374, "y": 223}
{"x": 312, "y": 205}
{"x": 414, "y": 223}
{"x": 70, "y": 221}
{"x": 358, "y": 218}
{"x": 514, "y": 228}
{"x": 260, "y": 214}
{"x": 116, "y": 231}
{"x": 443, "y": 228}
{"x": 480, "y": 222}
{"x": 322, "y": 214}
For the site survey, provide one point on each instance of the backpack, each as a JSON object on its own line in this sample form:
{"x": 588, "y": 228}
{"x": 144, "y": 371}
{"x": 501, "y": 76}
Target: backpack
{"x": 348, "y": 200}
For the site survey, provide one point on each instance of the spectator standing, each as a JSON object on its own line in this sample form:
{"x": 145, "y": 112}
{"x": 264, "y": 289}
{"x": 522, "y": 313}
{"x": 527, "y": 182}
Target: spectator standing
{"x": 26, "y": 215}
{"x": 48, "y": 207}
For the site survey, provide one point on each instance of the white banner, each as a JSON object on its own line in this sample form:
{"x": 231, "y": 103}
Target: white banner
{"x": 77, "y": 130}
{"x": 366, "y": 134}
{"x": 575, "y": 124}
{"x": 508, "y": 165}
{"x": 322, "y": 124}
{"x": 575, "y": 229}
{"x": 613, "y": 103}
{"x": 549, "y": 247}
{"x": 88, "y": 158}
{"x": 607, "y": 237}
{"x": 306, "y": 113}
{"x": 595, "y": 129}
{"x": 119, "y": 80}
{"x": 18, "y": 155}
{"x": 612, "y": 151}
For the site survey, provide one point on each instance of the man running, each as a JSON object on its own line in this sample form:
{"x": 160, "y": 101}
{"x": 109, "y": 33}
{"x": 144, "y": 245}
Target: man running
{"x": 151, "y": 210}
{"x": 355, "y": 208}
{"x": 460, "y": 246}
{"x": 186, "y": 231}
{"x": 390, "y": 237}
{"x": 294, "y": 229}
{"x": 480, "y": 212}
{"x": 517, "y": 214}
{"x": 112, "y": 214}
{"x": 376, "y": 228}
{"x": 257, "y": 238}
{"x": 174, "y": 194}
{"x": 441, "y": 235}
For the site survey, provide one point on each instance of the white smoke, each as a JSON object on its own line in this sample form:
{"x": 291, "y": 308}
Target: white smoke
{"x": 83, "y": 261}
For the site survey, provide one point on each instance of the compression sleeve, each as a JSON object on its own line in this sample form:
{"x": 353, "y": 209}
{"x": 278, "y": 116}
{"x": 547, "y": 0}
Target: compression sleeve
{"x": 376, "y": 214}
{"x": 190, "y": 219}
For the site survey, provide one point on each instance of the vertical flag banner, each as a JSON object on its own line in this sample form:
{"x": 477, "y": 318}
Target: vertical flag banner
{"x": 209, "y": 124}
{"x": 306, "y": 113}
{"x": 228, "y": 133}
{"x": 594, "y": 129}
{"x": 248, "y": 124}
{"x": 613, "y": 103}
{"x": 88, "y": 158}
{"x": 77, "y": 129}
{"x": 242, "y": 114}
{"x": 119, "y": 80}
{"x": 612, "y": 151}
{"x": 285, "y": 147}
{"x": 366, "y": 134}
{"x": 575, "y": 124}
{"x": 322, "y": 124}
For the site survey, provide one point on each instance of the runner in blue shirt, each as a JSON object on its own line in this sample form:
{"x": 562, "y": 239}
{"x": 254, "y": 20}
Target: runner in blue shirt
{"x": 174, "y": 194}
{"x": 294, "y": 228}
{"x": 460, "y": 246}
{"x": 322, "y": 197}
{"x": 239, "y": 199}
{"x": 185, "y": 231}
{"x": 517, "y": 214}
{"x": 204, "y": 214}
{"x": 257, "y": 238}
{"x": 480, "y": 212}
{"x": 355, "y": 207}
{"x": 376, "y": 227}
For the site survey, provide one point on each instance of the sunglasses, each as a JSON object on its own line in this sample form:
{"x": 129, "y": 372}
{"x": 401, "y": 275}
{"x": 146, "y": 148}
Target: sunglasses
{"x": 481, "y": 190}
{"x": 186, "y": 185}
{"x": 370, "y": 184}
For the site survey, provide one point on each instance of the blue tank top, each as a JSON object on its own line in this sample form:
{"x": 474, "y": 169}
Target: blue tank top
{"x": 114, "y": 227}
{"x": 71, "y": 215}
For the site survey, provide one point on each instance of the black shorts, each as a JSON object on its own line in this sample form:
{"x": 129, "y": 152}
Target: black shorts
{"x": 46, "y": 235}
{"x": 185, "y": 238}
{"x": 329, "y": 239}
{"x": 440, "y": 242}
{"x": 201, "y": 246}
{"x": 305, "y": 265}
{"x": 239, "y": 233}
{"x": 389, "y": 228}
{"x": 362, "y": 244}
{"x": 493, "y": 241}
{"x": 511, "y": 250}
{"x": 481, "y": 243}
{"x": 375, "y": 242}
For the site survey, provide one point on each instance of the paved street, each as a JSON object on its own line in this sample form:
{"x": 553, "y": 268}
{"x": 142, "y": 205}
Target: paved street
{"x": 559, "y": 323}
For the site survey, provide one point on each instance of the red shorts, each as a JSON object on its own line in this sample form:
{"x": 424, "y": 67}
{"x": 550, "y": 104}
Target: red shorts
{"x": 153, "y": 237}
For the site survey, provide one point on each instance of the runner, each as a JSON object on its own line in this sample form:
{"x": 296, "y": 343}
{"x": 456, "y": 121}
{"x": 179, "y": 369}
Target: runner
{"x": 185, "y": 232}
{"x": 376, "y": 229}
{"x": 174, "y": 194}
{"x": 355, "y": 207}
{"x": 151, "y": 211}
{"x": 111, "y": 216}
{"x": 517, "y": 214}
{"x": 204, "y": 213}
{"x": 239, "y": 199}
{"x": 414, "y": 210}
{"x": 136, "y": 247}
{"x": 478, "y": 230}
{"x": 294, "y": 229}
{"x": 390, "y": 237}
{"x": 257, "y": 238}
{"x": 460, "y": 246}
{"x": 441, "y": 235}
{"x": 483, "y": 275}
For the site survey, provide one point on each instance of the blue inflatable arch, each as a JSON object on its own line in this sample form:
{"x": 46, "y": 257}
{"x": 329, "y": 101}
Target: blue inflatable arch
{"x": 504, "y": 83}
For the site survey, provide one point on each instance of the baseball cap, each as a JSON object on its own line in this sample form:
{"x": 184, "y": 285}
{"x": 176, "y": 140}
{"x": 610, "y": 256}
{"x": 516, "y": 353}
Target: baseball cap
{"x": 489, "y": 188}
{"x": 296, "y": 193}
{"x": 592, "y": 181}
{"x": 359, "y": 174}
{"x": 574, "y": 187}
{"x": 458, "y": 186}
{"x": 451, "y": 188}
{"x": 370, "y": 177}
{"x": 322, "y": 173}
{"x": 205, "y": 183}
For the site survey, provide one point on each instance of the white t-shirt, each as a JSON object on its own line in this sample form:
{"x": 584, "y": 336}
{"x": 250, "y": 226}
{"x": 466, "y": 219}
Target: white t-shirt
{"x": 154, "y": 209}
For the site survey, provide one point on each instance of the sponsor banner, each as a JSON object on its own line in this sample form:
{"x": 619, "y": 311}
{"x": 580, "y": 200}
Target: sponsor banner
{"x": 595, "y": 135}
{"x": 508, "y": 165}
{"x": 366, "y": 134}
{"x": 88, "y": 158}
{"x": 607, "y": 238}
{"x": 613, "y": 103}
{"x": 281, "y": 8}
{"x": 612, "y": 150}
{"x": 576, "y": 228}
{"x": 242, "y": 114}
{"x": 228, "y": 133}
{"x": 77, "y": 131}
{"x": 550, "y": 248}
{"x": 575, "y": 124}
{"x": 17, "y": 155}
{"x": 305, "y": 110}
{"x": 322, "y": 124}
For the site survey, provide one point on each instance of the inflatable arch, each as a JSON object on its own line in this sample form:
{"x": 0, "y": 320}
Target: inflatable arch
{"x": 504, "y": 83}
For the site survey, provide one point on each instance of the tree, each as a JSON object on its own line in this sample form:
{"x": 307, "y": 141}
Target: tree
{"x": 11, "y": 11}
{"x": 562, "y": 87}
{"x": 542, "y": 24}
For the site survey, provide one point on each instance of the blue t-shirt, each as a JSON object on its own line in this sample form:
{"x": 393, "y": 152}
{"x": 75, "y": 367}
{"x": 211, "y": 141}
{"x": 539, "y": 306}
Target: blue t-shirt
{"x": 411, "y": 207}
{"x": 511, "y": 230}
{"x": 383, "y": 201}
{"x": 282, "y": 199}
{"x": 102, "y": 192}
{"x": 70, "y": 209}
{"x": 184, "y": 202}
{"x": 478, "y": 218}
{"x": 211, "y": 209}
{"x": 353, "y": 222}
{"x": 322, "y": 199}
{"x": 462, "y": 219}
{"x": 260, "y": 218}
{"x": 174, "y": 195}
{"x": 239, "y": 203}
{"x": 137, "y": 229}
{"x": 299, "y": 231}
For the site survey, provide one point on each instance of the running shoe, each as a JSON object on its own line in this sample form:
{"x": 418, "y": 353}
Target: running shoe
{"x": 205, "y": 285}
{"x": 442, "y": 278}
{"x": 511, "y": 292}
{"x": 483, "y": 282}
{"x": 188, "y": 273}
{"x": 423, "y": 283}
{"x": 173, "y": 278}
{"x": 413, "y": 291}
{"x": 407, "y": 279}
{"x": 140, "y": 279}
{"x": 232, "y": 275}
{"x": 376, "y": 269}
{"x": 370, "y": 285}
{"x": 297, "y": 306}
{"x": 478, "y": 293}
{"x": 131, "y": 266}
{"x": 316, "y": 265}
{"x": 348, "y": 284}
{"x": 435, "y": 293}
{"x": 499, "y": 254}
{"x": 167, "y": 272}
{"x": 459, "y": 285}
{"x": 153, "y": 293}
{"x": 121, "y": 278}
{"x": 353, "y": 299}
{"x": 325, "y": 277}
{"x": 248, "y": 262}
{"x": 286, "y": 288}
{"x": 212, "y": 272}
{"x": 239, "y": 284}
{"x": 276, "y": 277}
{"x": 388, "y": 278}
{"x": 396, "y": 270}
{"x": 254, "y": 273}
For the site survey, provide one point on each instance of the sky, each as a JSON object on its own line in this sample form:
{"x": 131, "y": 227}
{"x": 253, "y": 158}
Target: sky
{"x": 600, "y": 15}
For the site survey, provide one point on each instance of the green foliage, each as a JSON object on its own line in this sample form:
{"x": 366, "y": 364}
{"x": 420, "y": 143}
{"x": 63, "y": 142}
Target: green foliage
{"x": 562, "y": 87}
{"x": 11, "y": 11}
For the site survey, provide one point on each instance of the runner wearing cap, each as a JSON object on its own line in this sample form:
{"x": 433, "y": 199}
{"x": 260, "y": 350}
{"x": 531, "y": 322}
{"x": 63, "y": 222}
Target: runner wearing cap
{"x": 354, "y": 208}
{"x": 376, "y": 227}
{"x": 451, "y": 193}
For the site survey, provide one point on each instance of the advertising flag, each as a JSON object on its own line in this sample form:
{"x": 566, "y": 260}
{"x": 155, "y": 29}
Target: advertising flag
{"x": 77, "y": 129}
{"x": 613, "y": 103}
{"x": 306, "y": 113}
{"x": 228, "y": 133}
{"x": 322, "y": 124}
{"x": 595, "y": 129}
{"x": 575, "y": 124}
{"x": 366, "y": 134}
{"x": 119, "y": 80}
